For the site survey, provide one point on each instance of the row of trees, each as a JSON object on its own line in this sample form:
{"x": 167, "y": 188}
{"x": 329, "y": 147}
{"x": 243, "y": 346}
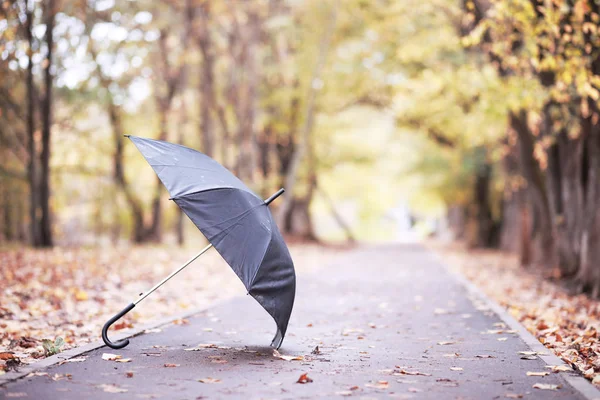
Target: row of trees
{"x": 242, "y": 81}
{"x": 514, "y": 129}
{"x": 499, "y": 101}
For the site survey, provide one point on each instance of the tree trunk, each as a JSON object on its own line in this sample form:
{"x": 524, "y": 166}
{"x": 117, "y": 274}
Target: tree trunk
{"x": 207, "y": 95}
{"x": 32, "y": 174}
{"x": 309, "y": 115}
{"x": 139, "y": 230}
{"x": 485, "y": 227}
{"x": 536, "y": 188}
{"x": 247, "y": 164}
{"x": 588, "y": 275}
{"x": 46, "y": 222}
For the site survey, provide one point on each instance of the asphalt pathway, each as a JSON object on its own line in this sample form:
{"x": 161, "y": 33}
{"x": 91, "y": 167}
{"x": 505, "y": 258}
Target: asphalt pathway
{"x": 388, "y": 321}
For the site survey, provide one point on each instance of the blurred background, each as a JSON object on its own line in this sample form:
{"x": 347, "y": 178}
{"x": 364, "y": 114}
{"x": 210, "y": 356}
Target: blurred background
{"x": 473, "y": 120}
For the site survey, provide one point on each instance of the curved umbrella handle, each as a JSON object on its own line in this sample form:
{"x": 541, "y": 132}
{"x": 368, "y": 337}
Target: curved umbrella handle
{"x": 122, "y": 343}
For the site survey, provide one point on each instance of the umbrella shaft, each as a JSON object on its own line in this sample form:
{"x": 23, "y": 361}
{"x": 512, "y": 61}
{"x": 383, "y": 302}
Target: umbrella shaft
{"x": 159, "y": 284}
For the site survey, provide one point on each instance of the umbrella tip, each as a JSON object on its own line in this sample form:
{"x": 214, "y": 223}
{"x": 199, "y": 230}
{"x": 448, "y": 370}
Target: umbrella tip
{"x": 274, "y": 196}
{"x": 127, "y": 135}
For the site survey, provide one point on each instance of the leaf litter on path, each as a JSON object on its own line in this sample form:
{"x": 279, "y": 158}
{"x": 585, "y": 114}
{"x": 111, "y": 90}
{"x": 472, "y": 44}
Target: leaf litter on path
{"x": 411, "y": 373}
{"x": 110, "y": 388}
{"x": 304, "y": 378}
{"x": 277, "y": 354}
{"x": 546, "y": 386}
{"x": 378, "y": 385}
{"x": 534, "y": 373}
{"x": 209, "y": 380}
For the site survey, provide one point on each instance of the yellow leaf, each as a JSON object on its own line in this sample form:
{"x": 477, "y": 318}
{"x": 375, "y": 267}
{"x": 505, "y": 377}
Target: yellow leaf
{"x": 81, "y": 295}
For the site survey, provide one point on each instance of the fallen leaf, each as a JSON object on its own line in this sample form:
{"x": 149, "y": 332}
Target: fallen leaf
{"x": 529, "y": 373}
{"x": 528, "y": 353}
{"x": 445, "y": 343}
{"x": 276, "y": 354}
{"x": 502, "y": 339}
{"x": 38, "y": 373}
{"x": 344, "y": 393}
{"x": 81, "y": 295}
{"x": 155, "y": 330}
{"x": 316, "y": 351}
{"x": 304, "y": 379}
{"x": 413, "y": 373}
{"x": 529, "y": 358}
{"x": 414, "y": 390}
{"x": 447, "y": 382}
{"x": 16, "y": 395}
{"x": 484, "y": 356}
{"x": 109, "y": 388}
{"x": 559, "y": 368}
{"x": 378, "y": 385}
{"x": 73, "y": 360}
{"x": 27, "y": 342}
{"x": 110, "y": 357}
{"x": 546, "y": 386}
{"x": 209, "y": 380}
{"x": 456, "y": 368}
{"x": 513, "y": 396}
{"x": 7, "y": 356}
{"x": 202, "y": 346}
{"x": 129, "y": 374}
{"x": 168, "y": 365}
{"x": 123, "y": 360}
{"x": 60, "y": 377}
{"x": 123, "y": 325}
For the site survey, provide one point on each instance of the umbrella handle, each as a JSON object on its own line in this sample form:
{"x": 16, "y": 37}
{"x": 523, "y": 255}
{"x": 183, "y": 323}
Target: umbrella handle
{"x": 122, "y": 343}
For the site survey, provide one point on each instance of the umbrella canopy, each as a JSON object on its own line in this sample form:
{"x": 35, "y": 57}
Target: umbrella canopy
{"x": 235, "y": 221}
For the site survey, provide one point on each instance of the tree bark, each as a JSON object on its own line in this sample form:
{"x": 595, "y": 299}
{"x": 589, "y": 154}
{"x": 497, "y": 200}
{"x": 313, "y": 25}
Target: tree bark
{"x": 139, "y": 230}
{"x": 46, "y": 221}
{"x": 588, "y": 275}
{"x": 247, "y": 149}
{"x": 207, "y": 95}
{"x": 486, "y": 229}
{"x": 32, "y": 174}
{"x": 536, "y": 188}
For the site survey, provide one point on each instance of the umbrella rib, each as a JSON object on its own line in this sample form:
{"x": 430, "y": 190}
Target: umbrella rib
{"x": 262, "y": 258}
{"x": 211, "y": 189}
{"x": 241, "y": 216}
{"x": 182, "y": 166}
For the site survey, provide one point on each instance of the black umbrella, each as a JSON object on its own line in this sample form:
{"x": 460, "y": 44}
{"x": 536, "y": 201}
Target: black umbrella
{"x": 236, "y": 222}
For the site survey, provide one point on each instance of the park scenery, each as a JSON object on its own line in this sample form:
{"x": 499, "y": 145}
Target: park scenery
{"x": 439, "y": 233}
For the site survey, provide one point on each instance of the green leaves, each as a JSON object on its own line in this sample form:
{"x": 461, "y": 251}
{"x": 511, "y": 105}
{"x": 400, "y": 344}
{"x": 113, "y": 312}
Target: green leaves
{"x": 51, "y": 348}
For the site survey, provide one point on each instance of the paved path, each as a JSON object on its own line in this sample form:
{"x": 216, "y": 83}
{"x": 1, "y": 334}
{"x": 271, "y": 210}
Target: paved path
{"x": 375, "y": 312}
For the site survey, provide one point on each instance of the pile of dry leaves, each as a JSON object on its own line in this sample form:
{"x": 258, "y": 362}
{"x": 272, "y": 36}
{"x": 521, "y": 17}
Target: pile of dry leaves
{"x": 566, "y": 324}
{"x": 52, "y": 300}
